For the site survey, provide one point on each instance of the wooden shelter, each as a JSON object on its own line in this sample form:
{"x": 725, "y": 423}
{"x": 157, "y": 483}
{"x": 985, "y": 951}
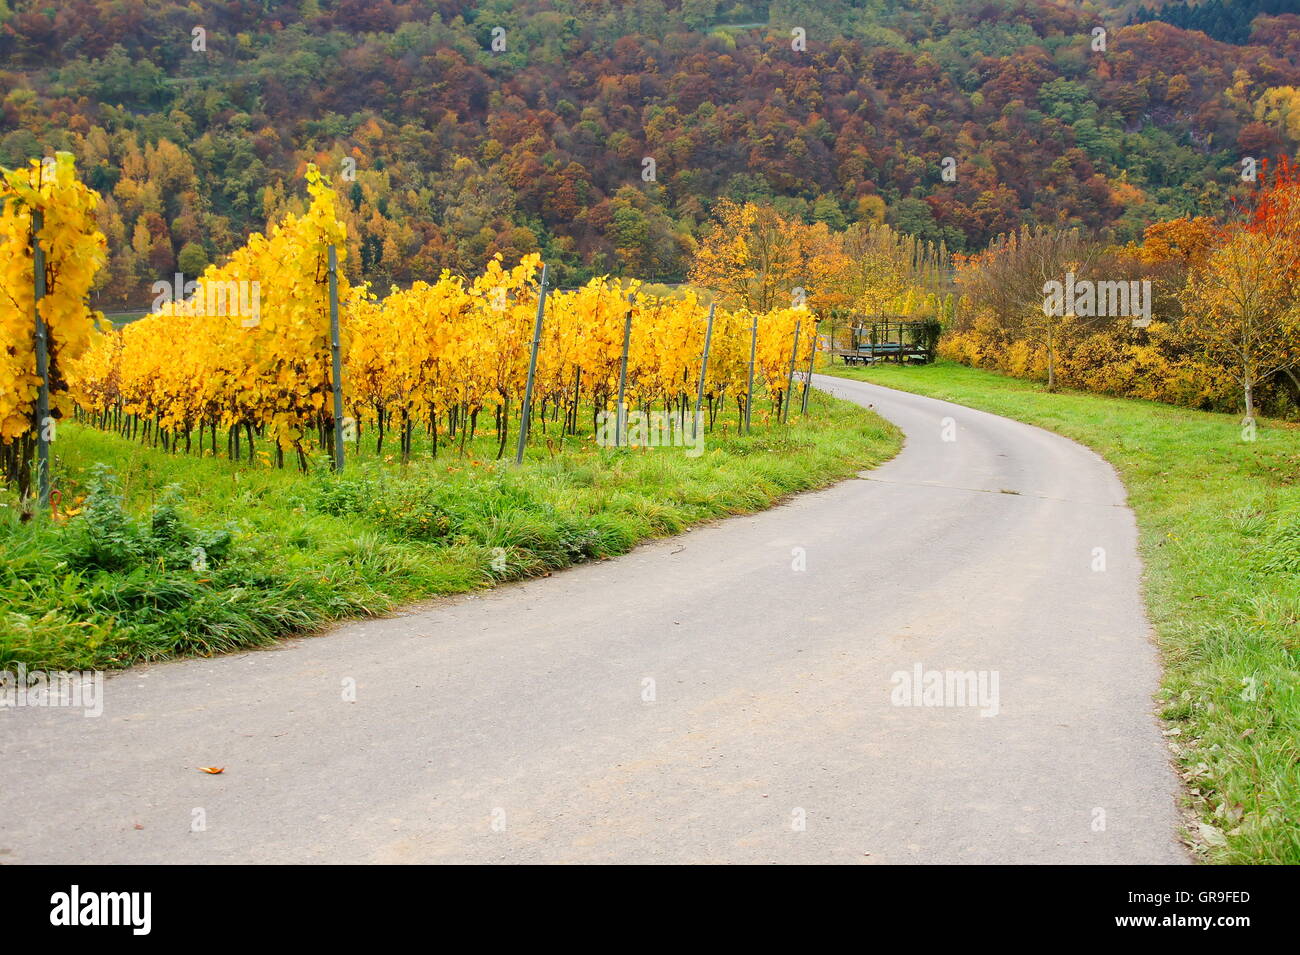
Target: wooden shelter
{"x": 863, "y": 341}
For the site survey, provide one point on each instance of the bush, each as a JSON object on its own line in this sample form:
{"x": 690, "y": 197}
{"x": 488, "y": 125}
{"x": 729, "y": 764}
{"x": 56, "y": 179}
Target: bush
{"x": 107, "y": 539}
{"x": 1157, "y": 364}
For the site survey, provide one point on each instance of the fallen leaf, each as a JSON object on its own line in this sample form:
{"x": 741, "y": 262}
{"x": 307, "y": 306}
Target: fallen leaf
{"x": 1211, "y": 835}
{"x": 212, "y": 770}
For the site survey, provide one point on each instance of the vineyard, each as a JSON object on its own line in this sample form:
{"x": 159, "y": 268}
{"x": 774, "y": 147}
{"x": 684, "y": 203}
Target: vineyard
{"x": 42, "y": 342}
{"x": 462, "y": 355}
{"x": 193, "y": 482}
{"x": 246, "y": 353}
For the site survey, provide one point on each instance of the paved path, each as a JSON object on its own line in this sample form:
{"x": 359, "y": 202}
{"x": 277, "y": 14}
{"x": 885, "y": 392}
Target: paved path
{"x": 514, "y": 725}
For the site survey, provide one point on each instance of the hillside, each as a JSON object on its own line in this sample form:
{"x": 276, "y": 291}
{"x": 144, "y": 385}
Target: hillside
{"x": 461, "y": 151}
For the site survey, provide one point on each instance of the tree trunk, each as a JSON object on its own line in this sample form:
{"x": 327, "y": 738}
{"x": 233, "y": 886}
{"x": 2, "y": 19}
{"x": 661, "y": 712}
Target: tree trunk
{"x": 1295, "y": 383}
{"x": 1051, "y": 361}
{"x": 505, "y": 426}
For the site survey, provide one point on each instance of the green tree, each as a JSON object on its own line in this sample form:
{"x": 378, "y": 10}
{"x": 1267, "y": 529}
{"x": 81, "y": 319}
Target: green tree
{"x": 193, "y": 259}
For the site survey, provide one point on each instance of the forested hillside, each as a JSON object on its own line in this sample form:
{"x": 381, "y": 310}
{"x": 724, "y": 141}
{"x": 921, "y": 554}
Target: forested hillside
{"x": 1229, "y": 20}
{"x": 461, "y": 151}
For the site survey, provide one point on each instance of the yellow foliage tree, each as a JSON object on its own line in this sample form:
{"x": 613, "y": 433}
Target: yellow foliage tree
{"x": 74, "y": 251}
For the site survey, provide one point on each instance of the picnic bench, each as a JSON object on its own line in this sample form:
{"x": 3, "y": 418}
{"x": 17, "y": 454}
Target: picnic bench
{"x": 899, "y": 341}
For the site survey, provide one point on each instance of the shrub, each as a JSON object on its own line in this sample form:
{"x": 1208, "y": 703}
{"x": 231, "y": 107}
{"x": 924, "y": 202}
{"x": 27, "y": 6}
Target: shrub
{"x": 107, "y": 539}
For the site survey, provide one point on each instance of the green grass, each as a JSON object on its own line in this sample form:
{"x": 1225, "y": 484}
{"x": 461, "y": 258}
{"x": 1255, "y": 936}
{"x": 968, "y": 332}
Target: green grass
{"x": 1219, "y": 521}
{"x": 177, "y": 555}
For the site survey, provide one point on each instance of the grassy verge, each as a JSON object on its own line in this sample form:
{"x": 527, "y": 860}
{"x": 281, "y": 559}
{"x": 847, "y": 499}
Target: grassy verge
{"x": 1219, "y": 519}
{"x": 172, "y": 555}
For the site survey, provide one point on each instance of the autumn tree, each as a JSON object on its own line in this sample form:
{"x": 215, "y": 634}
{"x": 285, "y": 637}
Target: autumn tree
{"x": 1242, "y": 307}
{"x": 889, "y": 272}
{"x": 1010, "y": 280}
{"x": 753, "y": 258}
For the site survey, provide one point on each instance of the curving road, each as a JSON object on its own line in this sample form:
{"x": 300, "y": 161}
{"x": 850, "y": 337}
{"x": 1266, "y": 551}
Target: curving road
{"x": 699, "y": 700}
